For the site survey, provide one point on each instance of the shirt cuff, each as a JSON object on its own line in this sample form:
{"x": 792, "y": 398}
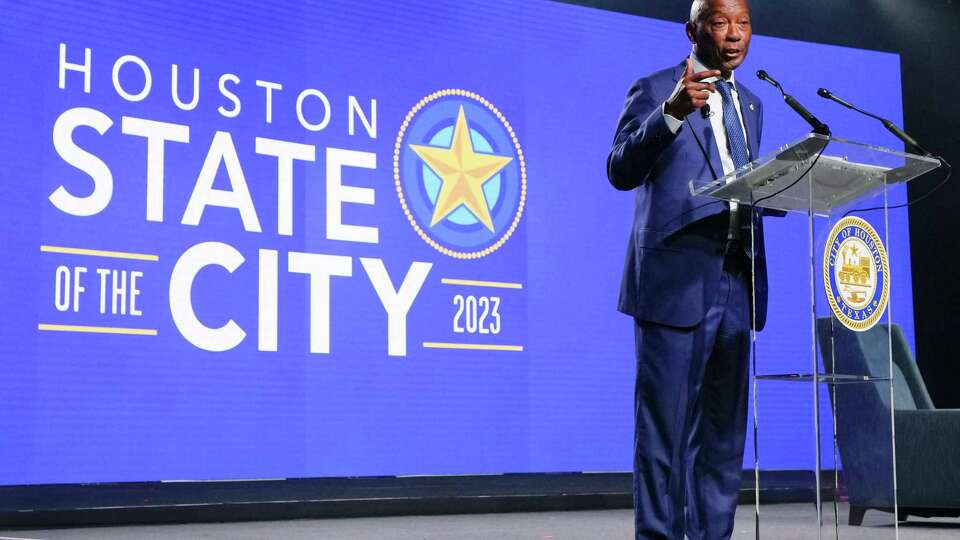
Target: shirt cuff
{"x": 673, "y": 124}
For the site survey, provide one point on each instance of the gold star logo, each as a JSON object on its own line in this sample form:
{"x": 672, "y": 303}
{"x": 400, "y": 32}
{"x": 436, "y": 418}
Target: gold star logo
{"x": 462, "y": 172}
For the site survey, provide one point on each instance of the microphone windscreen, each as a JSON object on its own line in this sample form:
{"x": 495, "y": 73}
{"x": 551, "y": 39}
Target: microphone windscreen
{"x": 761, "y": 74}
{"x": 823, "y": 92}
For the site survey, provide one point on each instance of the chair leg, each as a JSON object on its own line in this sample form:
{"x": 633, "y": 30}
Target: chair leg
{"x": 856, "y": 515}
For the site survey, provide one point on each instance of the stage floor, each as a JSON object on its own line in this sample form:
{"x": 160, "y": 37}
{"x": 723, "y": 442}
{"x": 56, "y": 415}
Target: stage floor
{"x": 779, "y": 522}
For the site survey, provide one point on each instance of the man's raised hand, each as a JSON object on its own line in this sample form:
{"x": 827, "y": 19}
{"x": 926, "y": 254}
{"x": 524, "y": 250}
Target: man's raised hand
{"x": 690, "y": 93}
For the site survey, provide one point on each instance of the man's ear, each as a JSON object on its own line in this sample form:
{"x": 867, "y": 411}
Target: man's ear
{"x": 691, "y": 31}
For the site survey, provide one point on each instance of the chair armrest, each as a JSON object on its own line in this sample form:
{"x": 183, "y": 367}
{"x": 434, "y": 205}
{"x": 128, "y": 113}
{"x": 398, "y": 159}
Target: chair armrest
{"x": 928, "y": 460}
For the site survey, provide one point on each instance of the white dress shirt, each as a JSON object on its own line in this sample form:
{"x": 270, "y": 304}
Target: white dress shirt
{"x": 715, "y": 101}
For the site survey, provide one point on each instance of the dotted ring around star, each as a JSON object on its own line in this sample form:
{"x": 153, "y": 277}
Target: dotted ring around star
{"x": 403, "y": 202}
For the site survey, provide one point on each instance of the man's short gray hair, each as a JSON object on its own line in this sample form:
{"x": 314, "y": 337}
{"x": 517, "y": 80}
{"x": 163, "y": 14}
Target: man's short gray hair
{"x": 698, "y": 9}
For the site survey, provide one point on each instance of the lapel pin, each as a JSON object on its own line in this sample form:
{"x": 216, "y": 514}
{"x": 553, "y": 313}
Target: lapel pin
{"x": 752, "y": 107}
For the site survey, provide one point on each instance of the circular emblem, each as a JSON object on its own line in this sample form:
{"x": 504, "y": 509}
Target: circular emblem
{"x": 460, "y": 174}
{"x": 856, "y": 274}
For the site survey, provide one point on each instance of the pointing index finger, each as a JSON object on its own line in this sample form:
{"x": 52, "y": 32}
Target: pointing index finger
{"x": 697, "y": 77}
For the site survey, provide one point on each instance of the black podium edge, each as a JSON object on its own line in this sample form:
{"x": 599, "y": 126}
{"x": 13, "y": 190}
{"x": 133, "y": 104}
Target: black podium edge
{"x": 62, "y": 505}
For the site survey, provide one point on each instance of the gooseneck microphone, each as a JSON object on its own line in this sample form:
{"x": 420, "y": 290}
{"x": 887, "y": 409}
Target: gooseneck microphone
{"x": 815, "y": 123}
{"x": 911, "y": 143}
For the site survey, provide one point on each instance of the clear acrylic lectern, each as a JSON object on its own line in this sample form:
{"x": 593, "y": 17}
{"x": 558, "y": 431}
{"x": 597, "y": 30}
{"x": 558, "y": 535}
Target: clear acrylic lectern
{"x": 824, "y": 363}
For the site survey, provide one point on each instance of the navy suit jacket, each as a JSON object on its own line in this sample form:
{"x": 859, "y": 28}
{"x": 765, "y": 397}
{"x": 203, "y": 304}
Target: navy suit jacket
{"x": 663, "y": 282}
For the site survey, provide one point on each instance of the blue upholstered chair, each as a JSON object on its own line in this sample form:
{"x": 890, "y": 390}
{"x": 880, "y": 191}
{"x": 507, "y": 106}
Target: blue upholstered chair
{"x": 927, "y": 439}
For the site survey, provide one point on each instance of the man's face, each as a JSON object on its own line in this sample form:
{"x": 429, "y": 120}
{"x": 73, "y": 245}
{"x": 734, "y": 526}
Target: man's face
{"x": 722, "y": 35}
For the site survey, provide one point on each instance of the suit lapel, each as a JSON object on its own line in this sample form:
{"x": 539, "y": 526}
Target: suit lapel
{"x": 751, "y": 119}
{"x": 701, "y": 129}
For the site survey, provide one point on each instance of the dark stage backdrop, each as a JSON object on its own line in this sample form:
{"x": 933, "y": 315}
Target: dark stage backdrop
{"x": 924, "y": 34}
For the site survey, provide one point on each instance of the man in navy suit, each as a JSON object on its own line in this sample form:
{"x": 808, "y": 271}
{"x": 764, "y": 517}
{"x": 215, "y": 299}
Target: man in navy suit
{"x": 693, "y": 270}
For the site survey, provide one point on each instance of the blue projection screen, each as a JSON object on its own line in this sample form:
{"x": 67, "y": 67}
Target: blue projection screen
{"x": 342, "y": 238}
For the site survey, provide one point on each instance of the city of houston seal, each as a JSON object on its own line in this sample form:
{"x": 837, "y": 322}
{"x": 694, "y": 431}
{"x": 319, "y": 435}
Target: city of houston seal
{"x": 856, "y": 273}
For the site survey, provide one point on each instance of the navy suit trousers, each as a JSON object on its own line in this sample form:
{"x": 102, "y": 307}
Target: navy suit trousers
{"x": 691, "y": 414}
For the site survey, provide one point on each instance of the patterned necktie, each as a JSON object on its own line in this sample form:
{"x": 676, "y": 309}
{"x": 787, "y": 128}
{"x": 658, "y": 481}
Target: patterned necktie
{"x": 731, "y": 124}
{"x": 738, "y": 151}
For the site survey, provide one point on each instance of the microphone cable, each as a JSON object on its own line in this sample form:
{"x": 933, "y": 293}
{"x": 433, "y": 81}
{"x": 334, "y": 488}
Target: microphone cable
{"x": 946, "y": 178}
{"x": 910, "y": 142}
{"x": 799, "y": 178}
{"x": 818, "y": 127}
